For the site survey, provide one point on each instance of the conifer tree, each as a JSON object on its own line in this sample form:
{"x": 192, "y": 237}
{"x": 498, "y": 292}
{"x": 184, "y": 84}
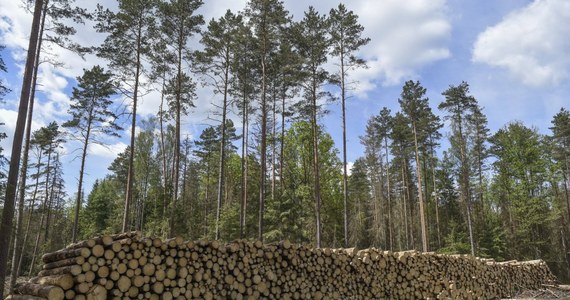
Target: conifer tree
{"x": 266, "y": 19}
{"x": 130, "y": 32}
{"x": 215, "y": 62}
{"x": 92, "y": 120}
{"x": 178, "y": 23}
{"x": 459, "y": 105}
{"x": 312, "y": 42}
{"x": 346, "y": 39}
{"x": 415, "y": 106}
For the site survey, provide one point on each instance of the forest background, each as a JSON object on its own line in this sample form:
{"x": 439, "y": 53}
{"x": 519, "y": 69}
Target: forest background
{"x": 457, "y": 139}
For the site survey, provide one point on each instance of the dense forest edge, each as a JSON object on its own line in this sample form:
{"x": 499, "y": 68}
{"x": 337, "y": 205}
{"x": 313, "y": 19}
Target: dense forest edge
{"x": 428, "y": 180}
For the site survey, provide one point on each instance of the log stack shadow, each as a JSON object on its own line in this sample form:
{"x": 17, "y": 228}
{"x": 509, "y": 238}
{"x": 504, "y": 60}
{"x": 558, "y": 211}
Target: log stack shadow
{"x": 129, "y": 266}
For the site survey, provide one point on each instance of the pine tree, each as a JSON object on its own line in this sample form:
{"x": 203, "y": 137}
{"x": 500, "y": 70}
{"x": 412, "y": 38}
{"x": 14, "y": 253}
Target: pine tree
{"x": 243, "y": 90}
{"x": 91, "y": 121}
{"x": 459, "y": 105}
{"x": 267, "y": 19}
{"x": 383, "y": 123}
{"x": 178, "y": 23}
{"x": 415, "y": 107}
{"x": 48, "y": 139}
{"x": 129, "y": 41}
{"x": 310, "y": 38}
{"x": 346, "y": 39}
{"x": 215, "y": 61}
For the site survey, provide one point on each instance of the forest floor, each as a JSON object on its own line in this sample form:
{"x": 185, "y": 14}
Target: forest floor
{"x": 547, "y": 292}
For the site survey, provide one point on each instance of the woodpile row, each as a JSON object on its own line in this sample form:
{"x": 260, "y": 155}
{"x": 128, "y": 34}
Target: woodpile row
{"x": 128, "y": 266}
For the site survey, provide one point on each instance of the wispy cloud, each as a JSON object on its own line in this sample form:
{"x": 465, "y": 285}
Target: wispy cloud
{"x": 107, "y": 151}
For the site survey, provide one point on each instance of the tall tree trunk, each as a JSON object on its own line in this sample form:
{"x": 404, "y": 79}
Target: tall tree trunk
{"x": 163, "y": 148}
{"x": 408, "y": 184}
{"x": 80, "y": 185}
{"x": 222, "y": 151}
{"x": 316, "y": 167}
{"x": 243, "y": 205}
{"x": 207, "y": 194}
{"x": 176, "y": 168}
{"x": 464, "y": 182}
{"x": 48, "y": 200}
{"x": 389, "y": 194}
{"x": 263, "y": 149}
{"x": 30, "y": 213}
{"x": 436, "y": 201}
{"x": 51, "y": 199}
{"x": 344, "y": 162}
{"x": 24, "y": 171}
{"x": 44, "y": 213}
{"x": 420, "y": 193}
{"x": 131, "y": 172}
{"x": 566, "y": 184}
{"x": 273, "y": 147}
{"x": 405, "y": 210}
{"x": 12, "y": 180}
{"x": 481, "y": 189}
{"x": 36, "y": 245}
{"x": 281, "y": 155}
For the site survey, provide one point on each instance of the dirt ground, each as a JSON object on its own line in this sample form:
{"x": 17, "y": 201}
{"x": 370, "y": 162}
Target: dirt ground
{"x": 547, "y": 292}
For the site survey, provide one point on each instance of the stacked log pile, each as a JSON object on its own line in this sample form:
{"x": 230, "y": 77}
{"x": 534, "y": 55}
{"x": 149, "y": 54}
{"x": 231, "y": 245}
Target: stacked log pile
{"x": 128, "y": 266}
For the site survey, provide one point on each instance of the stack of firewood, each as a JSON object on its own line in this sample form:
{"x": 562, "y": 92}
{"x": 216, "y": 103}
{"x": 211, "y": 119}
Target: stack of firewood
{"x": 128, "y": 266}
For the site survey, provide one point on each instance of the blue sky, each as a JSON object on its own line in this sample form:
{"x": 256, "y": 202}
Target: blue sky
{"x": 513, "y": 53}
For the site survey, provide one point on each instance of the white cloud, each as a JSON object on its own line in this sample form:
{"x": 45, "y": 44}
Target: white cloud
{"x": 405, "y": 35}
{"x": 107, "y": 151}
{"x": 531, "y": 43}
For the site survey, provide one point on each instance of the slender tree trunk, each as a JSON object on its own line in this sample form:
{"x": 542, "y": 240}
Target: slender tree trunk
{"x": 344, "y": 161}
{"x": 408, "y": 184}
{"x": 420, "y": 193}
{"x": 31, "y": 212}
{"x": 131, "y": 172}
{"x": 44, "y": 213}
{"x": 207, "y": 194}
{"x": 80, "y": 185}
{"x": 405, "y": 210}
{"x": 176, "y": 169}
{"x": 481, "y": 189}
{"x": 12, "y": 180}
{"x": 436, "y": 201}
{"x": 566, "y": 184}
{"x": 51, "y": 197}
{"x": 376, "y": 226}
{"x": 281, "y": 155}
{"x": 47, "y": 206}
{"x": 389, "y": 194}
{"x": 243, "y": 204}
{"x": 36, "y": 245}
{"x": 273, "y": 147}
{"x": 316, "y": 167}
{"x": 222, "y": 150}
{"x": 464, "y": 182}
{"x": 262, "y": 160}
{"x": 163, "y": 148}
